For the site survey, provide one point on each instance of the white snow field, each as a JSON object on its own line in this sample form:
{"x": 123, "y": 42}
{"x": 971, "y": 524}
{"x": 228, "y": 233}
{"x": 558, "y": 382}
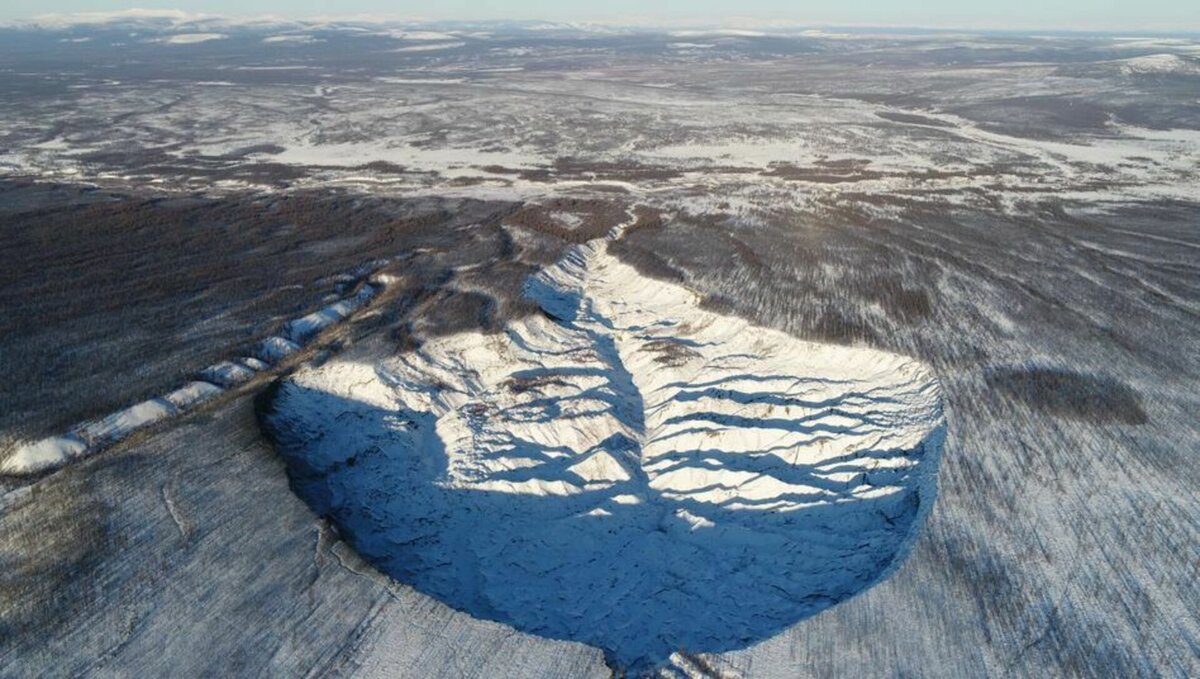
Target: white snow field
{"x": 1160, "y": 63}
{"x": 627, "y": 470}
{"x": 192, "y": 38}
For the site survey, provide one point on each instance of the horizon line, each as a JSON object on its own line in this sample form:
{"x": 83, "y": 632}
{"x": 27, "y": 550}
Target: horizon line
{"x": 67, "y": 20}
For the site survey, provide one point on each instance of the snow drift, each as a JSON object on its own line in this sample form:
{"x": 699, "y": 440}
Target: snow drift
{"x": 87, "y": 438}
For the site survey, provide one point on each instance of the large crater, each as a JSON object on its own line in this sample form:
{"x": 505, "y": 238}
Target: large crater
{"x": 628, "y": 470}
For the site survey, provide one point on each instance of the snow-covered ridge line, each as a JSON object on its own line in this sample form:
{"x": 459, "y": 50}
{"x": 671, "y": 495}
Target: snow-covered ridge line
{"x": 1159, "y": 64}
{"x": 190, "y": 38}
{"x": 399, "y": 26}
{"x": 627, "y": 469}
{"x": 90, "y": 437}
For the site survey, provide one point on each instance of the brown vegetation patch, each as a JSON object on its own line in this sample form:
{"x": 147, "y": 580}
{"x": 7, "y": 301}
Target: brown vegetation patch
{"x": 137, "y": 293}
{"x": 646, "y": 218}
{"x": 843, "y": 164}
{"x": 645, "y": 261}
{"x": 384, "y": 167}
{"x": 821, "y": 175}
{"x": 535, "y": 384}
{"x": 907, "y": 304}
{"x": 913, "y": 119}
{"x": 534, "y": 175}
{"x": 1073, "y": 395}
{"x": 622, "y": 171}
{"x": 828, "y": 323}
{"x": 595, "y": 218}
{"x": 672, "y": 354}
{"x": 257, "y": 149}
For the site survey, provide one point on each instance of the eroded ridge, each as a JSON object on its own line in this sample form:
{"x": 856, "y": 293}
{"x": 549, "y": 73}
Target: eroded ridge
{"x": 627, "y": 470}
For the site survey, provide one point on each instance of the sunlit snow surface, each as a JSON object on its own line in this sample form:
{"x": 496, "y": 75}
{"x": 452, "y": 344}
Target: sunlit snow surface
{"x": 628, "y": 469}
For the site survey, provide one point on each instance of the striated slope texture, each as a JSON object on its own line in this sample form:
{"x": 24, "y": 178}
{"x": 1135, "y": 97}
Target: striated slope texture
{"x": 628, "y": 469}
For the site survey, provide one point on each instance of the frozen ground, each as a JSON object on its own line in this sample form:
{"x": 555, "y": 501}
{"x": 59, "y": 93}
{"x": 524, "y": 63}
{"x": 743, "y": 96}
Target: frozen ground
{"x": 1013, "y": 218}
{"x": 627, "y": 470}
{"x": 938, "y": 119}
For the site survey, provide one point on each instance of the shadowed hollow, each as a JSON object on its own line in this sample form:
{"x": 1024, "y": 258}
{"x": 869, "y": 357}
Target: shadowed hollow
{"x": 626, "y": 469}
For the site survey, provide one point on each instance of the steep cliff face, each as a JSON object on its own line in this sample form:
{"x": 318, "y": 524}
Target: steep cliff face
{"x": 626, "y": 469}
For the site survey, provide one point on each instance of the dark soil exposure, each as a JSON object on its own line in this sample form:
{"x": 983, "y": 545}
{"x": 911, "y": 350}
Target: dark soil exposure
{"x": 1062, "y": 393}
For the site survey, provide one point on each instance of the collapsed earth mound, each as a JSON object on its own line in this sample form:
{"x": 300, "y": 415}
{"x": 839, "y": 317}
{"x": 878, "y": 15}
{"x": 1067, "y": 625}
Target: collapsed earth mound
{"x": 626, "y": 470}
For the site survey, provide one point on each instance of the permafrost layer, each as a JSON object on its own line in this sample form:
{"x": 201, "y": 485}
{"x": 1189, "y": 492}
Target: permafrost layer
{"x": 627, "y": 470}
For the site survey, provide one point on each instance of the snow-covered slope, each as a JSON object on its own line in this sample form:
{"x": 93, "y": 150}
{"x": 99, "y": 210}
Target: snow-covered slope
{"x": 629, "y": 469}
{"x": 1160, "y": 64}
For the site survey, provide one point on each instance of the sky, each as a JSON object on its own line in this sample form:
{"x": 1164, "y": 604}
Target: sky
{"x": 1117, "y": 15}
